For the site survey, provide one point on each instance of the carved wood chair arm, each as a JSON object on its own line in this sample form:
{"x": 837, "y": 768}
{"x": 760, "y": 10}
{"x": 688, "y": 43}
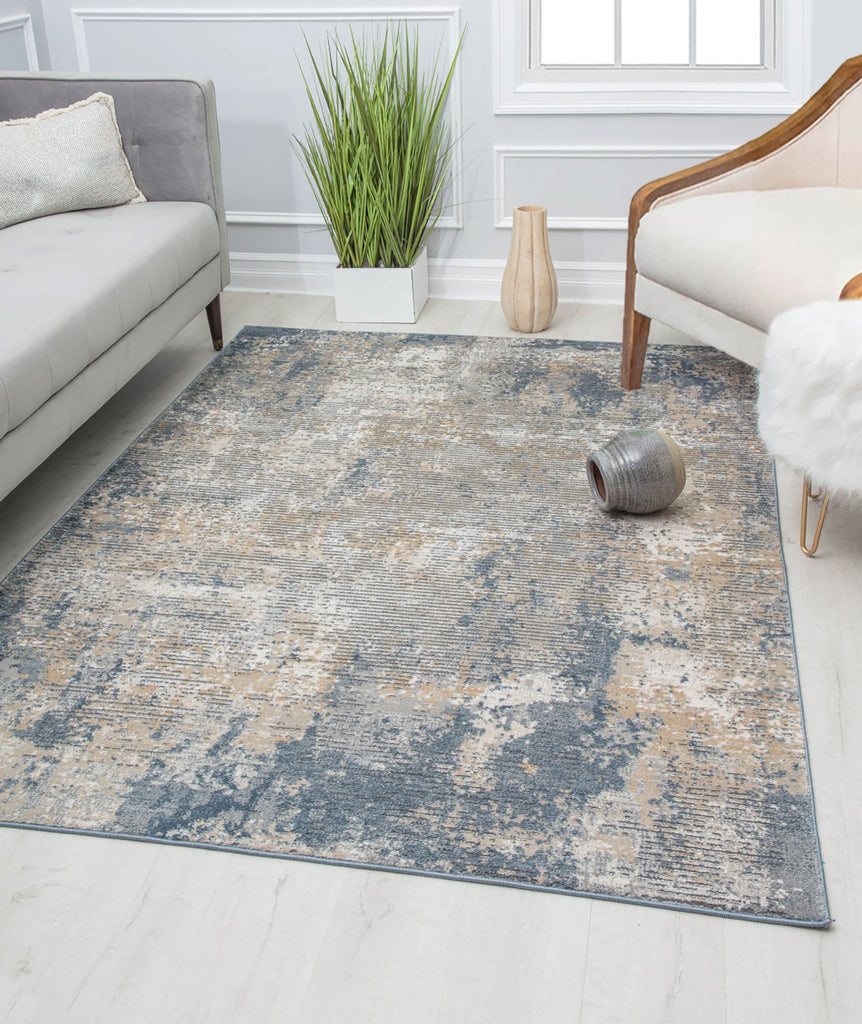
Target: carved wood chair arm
{"x": 853, "y": 288}
{"x": 826, "y": 97}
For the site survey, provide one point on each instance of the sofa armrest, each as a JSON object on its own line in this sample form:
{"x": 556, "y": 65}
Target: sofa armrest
{"x": 168, "y": 125}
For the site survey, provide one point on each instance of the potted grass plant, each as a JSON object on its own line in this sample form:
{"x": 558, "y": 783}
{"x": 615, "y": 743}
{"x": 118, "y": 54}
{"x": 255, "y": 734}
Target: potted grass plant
{"x": 377, "y": 153}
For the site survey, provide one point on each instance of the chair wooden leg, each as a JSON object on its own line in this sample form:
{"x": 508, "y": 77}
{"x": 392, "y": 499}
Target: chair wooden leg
{"x": 635, "y": 338}
{"x": 808, "y": 495}
{"x": 635, "y": 325}
{"x": 214, "y": 321}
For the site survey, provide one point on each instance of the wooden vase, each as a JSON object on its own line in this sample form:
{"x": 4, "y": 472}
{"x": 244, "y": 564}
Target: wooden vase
{"x": 529, "y": 292}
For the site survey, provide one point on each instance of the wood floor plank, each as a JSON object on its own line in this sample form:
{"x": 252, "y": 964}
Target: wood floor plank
{"x": 258, "y": 943}
{"x": 526, "y": 951}
{"x": 653, "y": 965}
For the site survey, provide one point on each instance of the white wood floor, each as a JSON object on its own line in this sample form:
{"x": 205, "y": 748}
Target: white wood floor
{"x": 101, "y": 930}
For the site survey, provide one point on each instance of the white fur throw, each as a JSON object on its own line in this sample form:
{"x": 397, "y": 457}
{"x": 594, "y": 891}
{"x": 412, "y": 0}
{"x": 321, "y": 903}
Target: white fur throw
{"x": 810, "y": 403}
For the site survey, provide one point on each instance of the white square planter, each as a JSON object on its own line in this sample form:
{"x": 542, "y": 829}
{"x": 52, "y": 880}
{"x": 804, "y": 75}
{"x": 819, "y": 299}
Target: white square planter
{"x": 389, "y": 295}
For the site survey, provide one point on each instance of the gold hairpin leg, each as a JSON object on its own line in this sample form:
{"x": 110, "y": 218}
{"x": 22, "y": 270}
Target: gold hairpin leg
{"x": 809, "y": 495}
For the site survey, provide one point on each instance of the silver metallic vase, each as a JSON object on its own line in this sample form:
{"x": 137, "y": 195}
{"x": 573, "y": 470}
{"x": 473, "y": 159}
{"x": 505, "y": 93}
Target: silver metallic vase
{"x": 638, "y": 471}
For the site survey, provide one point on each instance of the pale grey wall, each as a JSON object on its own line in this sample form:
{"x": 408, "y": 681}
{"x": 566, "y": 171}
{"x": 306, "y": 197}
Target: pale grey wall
{"x": 13, "y": 51}
{"x": 836, "y": 34}
{"x": 253, "y": 66}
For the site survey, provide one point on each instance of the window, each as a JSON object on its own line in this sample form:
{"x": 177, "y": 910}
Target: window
{"x": 658, "y": 33}
{"x": 693, "y": 56}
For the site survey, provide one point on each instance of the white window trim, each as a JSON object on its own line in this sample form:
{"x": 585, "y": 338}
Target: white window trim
{"x": 517, "y": 91}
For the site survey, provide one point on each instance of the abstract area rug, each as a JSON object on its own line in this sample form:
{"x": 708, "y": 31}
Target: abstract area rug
{"x": 350, "y": 599}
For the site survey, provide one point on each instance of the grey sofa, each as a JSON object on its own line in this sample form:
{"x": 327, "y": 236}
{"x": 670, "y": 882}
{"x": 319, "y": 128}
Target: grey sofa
{"x": 88, "y": 297}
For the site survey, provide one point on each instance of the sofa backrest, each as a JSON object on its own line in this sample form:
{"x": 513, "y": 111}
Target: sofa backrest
{"x": 168, "y": 125}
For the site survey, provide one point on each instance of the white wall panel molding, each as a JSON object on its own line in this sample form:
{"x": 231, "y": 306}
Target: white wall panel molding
{"x": 274, "y": 218}
{"x": 288, "y": 19}
{"x": 505, "y": 156}
{"x": 23, "y": 24}
{"x": 448, "y": 278}
{"x": 588, "y": 282}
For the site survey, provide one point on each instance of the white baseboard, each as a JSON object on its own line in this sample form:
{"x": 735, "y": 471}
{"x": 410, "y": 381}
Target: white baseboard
{"x": 281, "y": 272}
{"x": 448, "y": 278}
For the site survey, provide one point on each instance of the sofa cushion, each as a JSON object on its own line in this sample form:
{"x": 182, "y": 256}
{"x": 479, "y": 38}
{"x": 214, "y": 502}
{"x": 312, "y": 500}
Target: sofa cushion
{"x": 754, "y": 255}
{"x": 73, "y": 284}
{"x": 66, "y": 159}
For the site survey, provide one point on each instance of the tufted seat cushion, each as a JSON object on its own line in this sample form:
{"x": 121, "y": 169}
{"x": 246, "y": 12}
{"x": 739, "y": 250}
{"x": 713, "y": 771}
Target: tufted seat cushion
{"x": 754, "y": 254}
{"x": 73, "y": 283}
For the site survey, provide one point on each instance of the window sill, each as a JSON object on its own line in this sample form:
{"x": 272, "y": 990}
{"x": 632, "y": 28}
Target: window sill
{"x": 655, "y": 97}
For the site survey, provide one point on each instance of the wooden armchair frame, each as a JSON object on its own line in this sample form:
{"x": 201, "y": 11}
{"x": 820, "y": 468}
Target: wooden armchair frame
{"x": 636, "y": 325}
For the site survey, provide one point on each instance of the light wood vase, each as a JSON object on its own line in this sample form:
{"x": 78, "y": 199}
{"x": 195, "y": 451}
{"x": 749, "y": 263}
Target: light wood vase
{"x": 529, "y": 292}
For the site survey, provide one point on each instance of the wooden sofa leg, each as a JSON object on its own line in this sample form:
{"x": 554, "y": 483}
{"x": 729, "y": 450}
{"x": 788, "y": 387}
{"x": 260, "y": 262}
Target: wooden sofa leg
{"x": 635, "y": 337}
{"x": 214, "y": 321}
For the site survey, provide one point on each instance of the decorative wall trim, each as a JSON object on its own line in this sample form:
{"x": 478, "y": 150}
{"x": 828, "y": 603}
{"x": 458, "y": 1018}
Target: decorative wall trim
{"x": 450, "y": 16}
{"x": 23, "y": 23}
{"x": 779, "y": 92}
{"x": 265, "y": 217}
{"x": 503, "y": 154}
{"x": 448, "y": 278}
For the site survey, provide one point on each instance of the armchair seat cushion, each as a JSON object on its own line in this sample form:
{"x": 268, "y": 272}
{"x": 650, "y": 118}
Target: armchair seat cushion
{"x": 73, "y": 283}
{"x": 754, "y": 254}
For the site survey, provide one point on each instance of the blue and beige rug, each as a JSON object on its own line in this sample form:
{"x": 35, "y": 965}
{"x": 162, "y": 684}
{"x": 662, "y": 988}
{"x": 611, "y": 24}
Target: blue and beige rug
{"x": 350, "y": 599}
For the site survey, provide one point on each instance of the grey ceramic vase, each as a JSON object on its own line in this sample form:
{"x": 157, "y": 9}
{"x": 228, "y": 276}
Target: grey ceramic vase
{"x": 638, "y": 471}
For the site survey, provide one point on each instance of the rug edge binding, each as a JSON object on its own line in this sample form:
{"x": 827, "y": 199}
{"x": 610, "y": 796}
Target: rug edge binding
{"x": 823, "y": 924}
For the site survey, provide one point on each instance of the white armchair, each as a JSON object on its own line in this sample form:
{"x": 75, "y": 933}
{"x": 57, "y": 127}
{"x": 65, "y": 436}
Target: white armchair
{"x": 719, "y": 250}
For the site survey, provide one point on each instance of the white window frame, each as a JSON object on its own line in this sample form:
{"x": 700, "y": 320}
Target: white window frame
{"x": 777, "y": 88}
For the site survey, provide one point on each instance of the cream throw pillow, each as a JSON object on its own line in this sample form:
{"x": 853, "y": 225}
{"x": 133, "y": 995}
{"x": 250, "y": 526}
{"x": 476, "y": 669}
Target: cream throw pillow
{"x": 67, "y": 159}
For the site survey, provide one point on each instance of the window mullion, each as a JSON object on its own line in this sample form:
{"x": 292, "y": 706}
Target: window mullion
{"x": 767, "y": 33}
{"x": 618, "y": 32}
{"x": 692, "y": 33}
